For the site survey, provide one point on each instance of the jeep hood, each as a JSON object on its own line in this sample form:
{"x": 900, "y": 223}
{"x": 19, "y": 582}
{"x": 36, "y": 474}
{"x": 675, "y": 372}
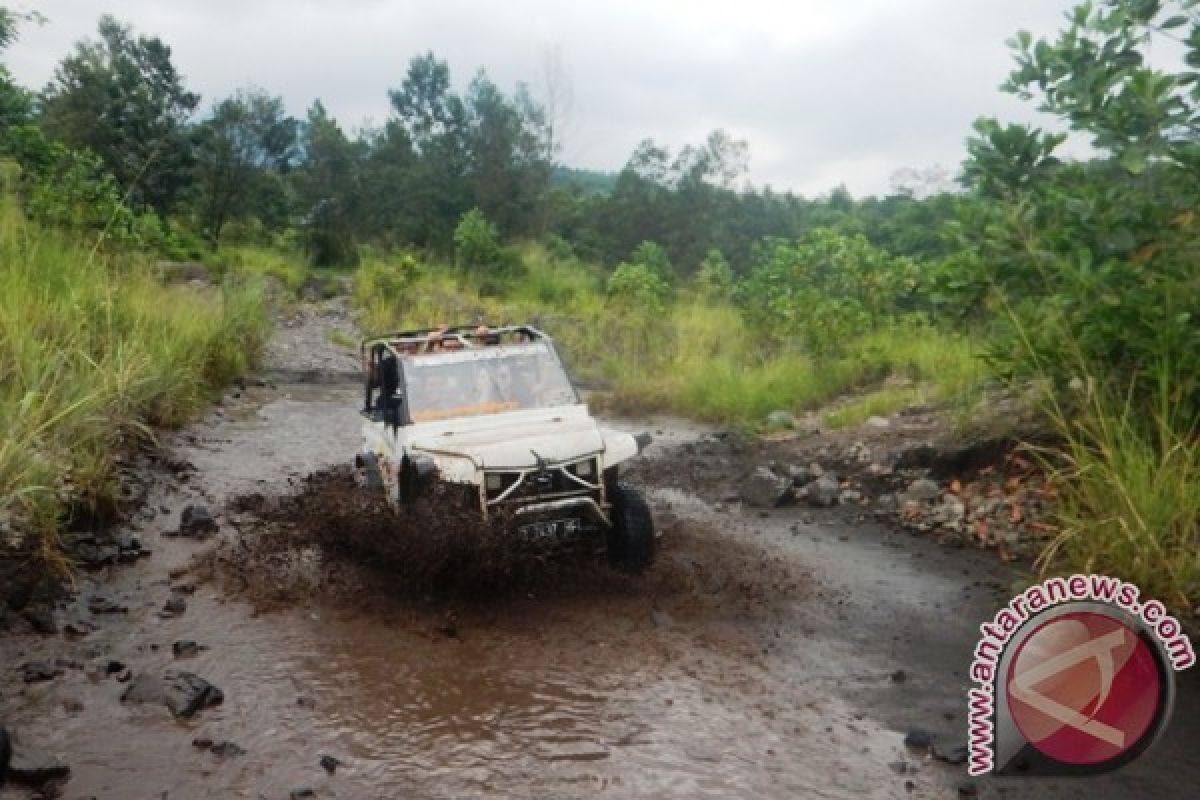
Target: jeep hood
{"x": 498, "y": 441}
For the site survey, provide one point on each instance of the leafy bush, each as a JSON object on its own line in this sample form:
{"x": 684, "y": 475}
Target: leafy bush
{"x": 714, "y": 279}
{"x": 827, "y": 288}
{"x": 640, "y": 287}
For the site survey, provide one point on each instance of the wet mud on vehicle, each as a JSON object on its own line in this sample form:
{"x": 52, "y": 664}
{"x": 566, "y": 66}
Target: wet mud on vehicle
{"x": 489, "y": 418}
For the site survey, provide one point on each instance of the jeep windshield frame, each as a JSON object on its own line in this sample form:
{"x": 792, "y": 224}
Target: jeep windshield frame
{"x": 482, "y": 381}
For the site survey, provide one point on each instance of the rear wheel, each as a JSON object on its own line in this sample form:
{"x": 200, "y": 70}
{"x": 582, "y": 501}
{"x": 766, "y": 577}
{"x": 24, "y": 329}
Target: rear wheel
{"x": 631, "y": 537}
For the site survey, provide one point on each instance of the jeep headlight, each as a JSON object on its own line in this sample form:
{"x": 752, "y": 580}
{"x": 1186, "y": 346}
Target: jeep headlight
{"x": 494, "y": 481}
{"x": 584, "y": 469}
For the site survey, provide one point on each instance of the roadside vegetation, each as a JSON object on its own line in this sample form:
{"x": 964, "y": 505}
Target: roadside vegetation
{"x": 94, "y": 353}
{"x": 672, "y": 285}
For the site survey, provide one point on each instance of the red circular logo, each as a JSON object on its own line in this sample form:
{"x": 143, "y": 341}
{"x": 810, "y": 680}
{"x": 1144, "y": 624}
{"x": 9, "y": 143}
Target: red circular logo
{"x": 1083, "y": 688}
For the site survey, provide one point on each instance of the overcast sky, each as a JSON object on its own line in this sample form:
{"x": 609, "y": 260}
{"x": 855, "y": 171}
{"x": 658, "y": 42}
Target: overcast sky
{"x": 824, "y": 91}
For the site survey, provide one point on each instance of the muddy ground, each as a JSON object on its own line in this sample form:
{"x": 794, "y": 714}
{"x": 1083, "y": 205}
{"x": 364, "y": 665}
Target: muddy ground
{"x": 774, "y": 652}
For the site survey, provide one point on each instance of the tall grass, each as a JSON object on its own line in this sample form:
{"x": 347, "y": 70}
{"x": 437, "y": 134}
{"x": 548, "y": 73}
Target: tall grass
{"x": 1130, "y": 486}
{"x": 93, "y": 352}
{"x": 698, "y": 358}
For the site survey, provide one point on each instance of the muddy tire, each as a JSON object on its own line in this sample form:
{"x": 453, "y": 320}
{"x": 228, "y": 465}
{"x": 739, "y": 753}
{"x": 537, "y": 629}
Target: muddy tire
{"x": 631, "y": 538}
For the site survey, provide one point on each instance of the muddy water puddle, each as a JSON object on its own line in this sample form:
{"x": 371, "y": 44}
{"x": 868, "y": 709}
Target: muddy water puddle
{"x": 676, "y": 684}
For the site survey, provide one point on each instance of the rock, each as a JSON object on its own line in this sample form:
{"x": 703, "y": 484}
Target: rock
{"x": 899, "y": 676}
{"x": 764, "y": 489}
{"x": 860, "y": 453}
{"x": 39, "y": 671}
{"x": 823, "y": 492}
{"x": 127, "y": 541}
{"x": 956, "y": 754}
{"x": 227, "y": 749}
{"x": 810, "y": 425}
{"x": 32, "y": 767}
{"x": 922, "y": 489}
{"x": 918, "y": 739}
{"x": 40, "y": 618}
{"x": 799, "y": 475}
{"x": 879, "y": 422}
{"x": 304, "y": 701}
{"x": 95, "y": 556}
{"x": 330, "y": 764}
{"x": 182, "y": 692}
{"x": 918, "y": 456}
{"x": 202, "y": 742}
{"x": 186, "y": 648}
{"x": 968, "y": 789}
{"x": 850, "y": 497}
{"x": 197, "y": 521}
{"x": 114, "y": 668}
{"x": 816, "y": 470}
{"x": 103, "y": 604}
{"x": 780, "y": 420}
{"x": 173, "y": 607}
{"x": 75, "y": 628}
{"x": 302, "y": 794}
{"x": 898, "y": 767}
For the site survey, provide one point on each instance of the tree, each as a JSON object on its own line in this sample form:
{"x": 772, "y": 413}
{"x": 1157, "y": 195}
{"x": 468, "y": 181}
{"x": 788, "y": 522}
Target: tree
{"x": 242, "y": 153}
{"x": 1098, "y": 259}
{"x": 434, "y": 119}
{"x": 329, "y": 189}
{"x": 121, "y": 97}
{"x": 508, "y": 169}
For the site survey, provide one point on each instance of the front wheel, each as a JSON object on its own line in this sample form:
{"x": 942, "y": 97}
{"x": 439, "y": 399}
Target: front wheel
{"x": 631, "y": 537}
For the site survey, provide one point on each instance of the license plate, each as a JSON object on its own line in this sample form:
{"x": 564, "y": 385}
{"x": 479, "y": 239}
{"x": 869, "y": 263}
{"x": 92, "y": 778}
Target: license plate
{"x": 557, "y": 527}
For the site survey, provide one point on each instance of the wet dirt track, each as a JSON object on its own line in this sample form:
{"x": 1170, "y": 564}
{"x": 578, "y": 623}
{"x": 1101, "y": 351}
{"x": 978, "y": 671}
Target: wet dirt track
{"x": 755, "y": 660}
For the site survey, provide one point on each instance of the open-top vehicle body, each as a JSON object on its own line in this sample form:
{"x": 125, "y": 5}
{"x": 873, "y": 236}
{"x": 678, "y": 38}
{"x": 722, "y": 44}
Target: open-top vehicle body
{"x": 490, "y": 415}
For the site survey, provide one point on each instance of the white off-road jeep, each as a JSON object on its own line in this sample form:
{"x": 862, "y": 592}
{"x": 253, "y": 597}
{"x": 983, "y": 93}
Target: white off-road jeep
{"x": 490, "y": 415}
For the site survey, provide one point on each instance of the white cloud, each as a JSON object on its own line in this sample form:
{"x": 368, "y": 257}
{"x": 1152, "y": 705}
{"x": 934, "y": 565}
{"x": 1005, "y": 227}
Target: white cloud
{"x": 824, "y": 92}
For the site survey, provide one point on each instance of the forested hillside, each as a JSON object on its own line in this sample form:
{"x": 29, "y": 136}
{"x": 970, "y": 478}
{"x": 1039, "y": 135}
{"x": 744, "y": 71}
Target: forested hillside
{"x": 674, "y": 283}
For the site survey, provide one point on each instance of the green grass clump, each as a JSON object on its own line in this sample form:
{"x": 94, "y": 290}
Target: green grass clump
{"x": 245, "y": 262}
{"x": 93, "y": 351}
{"x": 1129, "y": 479}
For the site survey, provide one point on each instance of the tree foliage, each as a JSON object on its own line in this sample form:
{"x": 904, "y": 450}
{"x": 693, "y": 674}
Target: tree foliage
{"x": 120, "y": 97}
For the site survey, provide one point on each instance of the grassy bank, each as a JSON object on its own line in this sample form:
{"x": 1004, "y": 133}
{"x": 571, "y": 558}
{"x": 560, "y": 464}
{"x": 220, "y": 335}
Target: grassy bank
{"x": 94, "y": 351}
{"x": 697, "y": 357}
{"x": 1130, "y": 486}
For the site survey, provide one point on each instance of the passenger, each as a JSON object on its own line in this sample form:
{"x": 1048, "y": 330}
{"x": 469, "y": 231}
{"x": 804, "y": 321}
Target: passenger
{"x": 433, "y": 342}
{"x": 485, "y": 338}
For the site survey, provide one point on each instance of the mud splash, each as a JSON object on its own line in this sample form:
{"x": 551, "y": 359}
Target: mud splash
{"x": 331, "y": 541}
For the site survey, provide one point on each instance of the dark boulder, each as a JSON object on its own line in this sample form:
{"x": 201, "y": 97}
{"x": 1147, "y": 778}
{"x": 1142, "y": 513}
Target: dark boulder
{"x": 39, "y": 671}
{"x": 174, "y": 607}
{"x": 186, "y": 648}
{"x": 32, "y": 767}
{"x": 197, "y": 521}
{"x": 182, "y": 692}
{"x": 764, "y": 488}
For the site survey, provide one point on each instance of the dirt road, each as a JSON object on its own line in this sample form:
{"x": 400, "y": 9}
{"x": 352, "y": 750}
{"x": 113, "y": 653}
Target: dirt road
{"x": 776, "y": 655}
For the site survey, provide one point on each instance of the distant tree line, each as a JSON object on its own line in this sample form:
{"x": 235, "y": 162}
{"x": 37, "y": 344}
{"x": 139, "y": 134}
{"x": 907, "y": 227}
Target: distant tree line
{"x": 130, "y": 150}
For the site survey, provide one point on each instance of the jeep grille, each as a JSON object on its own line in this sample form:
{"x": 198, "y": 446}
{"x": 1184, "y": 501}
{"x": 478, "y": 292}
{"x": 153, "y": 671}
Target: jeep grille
{"x": 559, "y": 480}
